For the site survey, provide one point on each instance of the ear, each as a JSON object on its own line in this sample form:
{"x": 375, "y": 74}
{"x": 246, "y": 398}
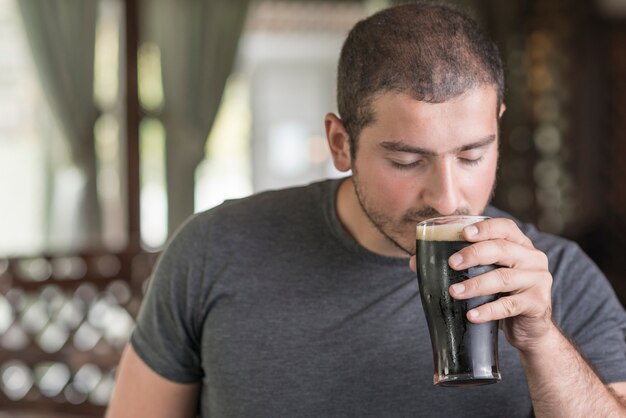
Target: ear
{"x": 502, "y": 109}
{"x": 338, "y": 142}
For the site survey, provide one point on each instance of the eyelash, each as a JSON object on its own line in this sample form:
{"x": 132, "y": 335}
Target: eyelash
{"x": 473, "y": 162}
{"x": 465, "y": 161}
{"x": 405, "y": 166}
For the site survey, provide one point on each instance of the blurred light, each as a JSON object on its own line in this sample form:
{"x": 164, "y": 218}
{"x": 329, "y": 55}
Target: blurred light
{"x": 225, "y": 171}
{"x": 153, "y": 215}
{"x": 98, "y": 312}
{"x": 108, "y": 265}
{"x": 71, "y": 314}
{"x": 540, "y": 79}
{"x": 101, "y": 394}
{"x": 16, "y": 379}
{"x": 549, "y": 199}
{"x": 17, "y": 299}
{"x": 288, "y": 152}
{"x": 219, "y": 179}
{"x": 612, "y": 8}
{"x": 15, "y": 339}
{"x": 35, "y": 269}
{"x": 106, "y": 57}
{"x": 68, "y": 268}
{"x": 86, "y": 293}
{"x": 53, "y": 337}
{"x": 153, "y": 194}
{"x": 547, "y": 173}
{"x": 75, "y": 394}
{"x": 6, "y": 314}
{"x": 106, "y": 132}
{"x": 120, "y": 291}
{"x": 548, "y": 139}
{"x": 51, "y": 378}
{"x": 109, "y": 182}
{"x": 118, "y": 325}
{"x": 53, "y": 297}
{"x": 547, "y": 108}
{"x": 540, "y": 46}
{"x": 4, "y": 265}
{"x": 87, "y": 377}
{"x": 34, "y": 317}
{"x": 86, "y": 337}
{"x": 149, "y": 76}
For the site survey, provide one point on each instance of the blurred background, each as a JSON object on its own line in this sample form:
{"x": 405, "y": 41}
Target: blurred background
{"x": 119, "y": 119}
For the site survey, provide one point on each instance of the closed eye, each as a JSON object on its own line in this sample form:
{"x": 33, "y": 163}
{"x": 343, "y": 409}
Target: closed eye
{"x": 406, "y": 166}
{"x": 471, "y": 161}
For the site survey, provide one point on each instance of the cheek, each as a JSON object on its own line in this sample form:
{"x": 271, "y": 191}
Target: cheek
{"x": 480, "y": 183}
{"x": 400, "y": 195}
{"x": 396, "y": 193}
{"x": 388, "y": 189}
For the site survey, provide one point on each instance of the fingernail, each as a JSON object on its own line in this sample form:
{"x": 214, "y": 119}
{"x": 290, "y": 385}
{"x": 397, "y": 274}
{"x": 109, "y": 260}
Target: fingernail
{"x": 473, "y": 314}
{"x": 458, "y": 288}
{"x": 471, "y": 230}
{"x": 455, "y": 260}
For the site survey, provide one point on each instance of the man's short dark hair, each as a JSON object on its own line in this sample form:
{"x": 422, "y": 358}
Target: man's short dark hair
{"x": 431, "y": 52}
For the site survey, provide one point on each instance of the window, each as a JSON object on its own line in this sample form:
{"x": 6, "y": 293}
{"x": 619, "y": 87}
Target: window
{"x": 42, "y": 187}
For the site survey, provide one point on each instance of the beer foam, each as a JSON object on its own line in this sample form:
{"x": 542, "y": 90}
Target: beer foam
{"x": 446, "y": 232}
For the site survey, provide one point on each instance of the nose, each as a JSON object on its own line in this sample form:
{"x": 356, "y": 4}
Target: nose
{"x": 441, "y": 191}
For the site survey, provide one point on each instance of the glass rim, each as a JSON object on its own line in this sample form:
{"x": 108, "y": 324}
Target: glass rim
{"x": 450, "y": 220}
{"x": 446, "y": 228}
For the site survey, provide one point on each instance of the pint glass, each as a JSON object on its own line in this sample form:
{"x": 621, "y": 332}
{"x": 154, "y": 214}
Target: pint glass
{"x": 464, "y": 353}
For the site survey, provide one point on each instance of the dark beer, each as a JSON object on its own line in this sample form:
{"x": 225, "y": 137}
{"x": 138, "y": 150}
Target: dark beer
{"x": 463, "y": 353}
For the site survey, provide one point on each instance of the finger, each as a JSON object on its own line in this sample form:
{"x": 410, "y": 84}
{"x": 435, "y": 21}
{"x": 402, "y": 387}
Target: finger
{"x": 413, "y": 264}
{"x": 507, "y": 307}
{"x": 500, "y": 280}
{"x": 497, "y": 228}
{"x": 500, "y": 252}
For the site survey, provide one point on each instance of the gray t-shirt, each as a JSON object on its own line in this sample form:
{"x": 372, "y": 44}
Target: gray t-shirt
{"x": 279, "y": 313}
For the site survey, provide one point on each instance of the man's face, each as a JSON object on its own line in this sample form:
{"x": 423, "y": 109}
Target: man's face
{"x": 419, "y": 160}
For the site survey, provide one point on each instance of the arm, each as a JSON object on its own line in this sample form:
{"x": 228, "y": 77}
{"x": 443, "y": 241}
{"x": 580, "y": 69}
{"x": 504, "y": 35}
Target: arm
{"x": 139, "y": 391}
{"x": 561, "y": 383}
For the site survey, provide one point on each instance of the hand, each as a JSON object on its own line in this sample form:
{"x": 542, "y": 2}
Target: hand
{"x": 523, "y": 280}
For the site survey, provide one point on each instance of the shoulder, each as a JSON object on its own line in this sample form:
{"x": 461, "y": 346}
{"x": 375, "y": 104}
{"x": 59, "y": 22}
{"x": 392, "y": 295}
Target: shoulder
{"x": 279, "y": 203}
{"x": 269, "y": 212}
{"x": 289, "y": 202}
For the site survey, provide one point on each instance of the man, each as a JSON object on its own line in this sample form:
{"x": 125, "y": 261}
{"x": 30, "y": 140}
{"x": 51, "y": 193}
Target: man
{"x": 300, "y": 303}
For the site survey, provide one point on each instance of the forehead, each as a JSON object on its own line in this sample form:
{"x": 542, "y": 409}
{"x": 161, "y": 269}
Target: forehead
{"x": 437, "y": 126}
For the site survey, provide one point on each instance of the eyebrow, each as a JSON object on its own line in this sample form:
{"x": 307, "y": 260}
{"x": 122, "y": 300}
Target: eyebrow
{"x": 399, "y": 146}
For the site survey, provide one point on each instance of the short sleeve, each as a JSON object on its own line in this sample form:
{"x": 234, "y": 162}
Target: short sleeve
{"x": 588, "y": 311}
{"x": 167, "y": 336}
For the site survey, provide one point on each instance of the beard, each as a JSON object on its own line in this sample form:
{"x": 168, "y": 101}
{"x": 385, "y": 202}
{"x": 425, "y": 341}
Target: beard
{"x": 401, "y": 232}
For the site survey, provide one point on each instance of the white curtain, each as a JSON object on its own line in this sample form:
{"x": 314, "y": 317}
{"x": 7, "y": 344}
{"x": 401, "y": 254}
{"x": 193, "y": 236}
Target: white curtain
{"x": 61, "y": 34}
{"x": 198, "y": 41}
